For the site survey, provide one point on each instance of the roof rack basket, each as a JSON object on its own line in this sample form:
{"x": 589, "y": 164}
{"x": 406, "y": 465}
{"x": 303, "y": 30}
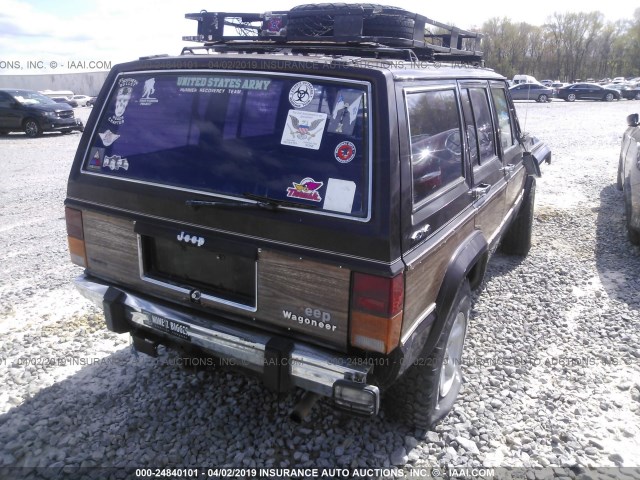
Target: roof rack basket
{"x": 359, "y": 30}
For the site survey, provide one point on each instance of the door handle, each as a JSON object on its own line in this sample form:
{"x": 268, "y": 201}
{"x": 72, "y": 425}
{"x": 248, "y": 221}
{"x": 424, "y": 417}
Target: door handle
{"x": 480, "y": 191}
{"x": 508, "y": 168}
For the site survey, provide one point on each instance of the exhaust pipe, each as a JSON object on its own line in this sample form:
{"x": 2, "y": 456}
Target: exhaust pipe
{"x": 304, "y": 406}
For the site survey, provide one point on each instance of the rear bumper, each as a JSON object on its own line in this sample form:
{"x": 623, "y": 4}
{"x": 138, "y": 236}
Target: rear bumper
{"x": 311, "y": 368}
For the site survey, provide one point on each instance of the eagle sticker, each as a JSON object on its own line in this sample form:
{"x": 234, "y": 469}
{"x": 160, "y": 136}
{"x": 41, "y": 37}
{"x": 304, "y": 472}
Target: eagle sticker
{"x": 307, "y": 189}
{"x": 304, "y": 129}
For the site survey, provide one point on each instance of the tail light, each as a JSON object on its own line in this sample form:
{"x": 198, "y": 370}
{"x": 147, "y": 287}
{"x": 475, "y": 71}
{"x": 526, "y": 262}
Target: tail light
{"x": 75, "y": 236}
{"x": 376, "y": 311}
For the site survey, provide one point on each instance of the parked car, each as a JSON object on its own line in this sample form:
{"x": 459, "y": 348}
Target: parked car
{"x": 518, "y": 79}
{"x": 630, "y": 92}
{"x": 629, "y": 176}
{"x": 618, "y": 80}
{"x": 81, "y": 100}
{"x": 34, "y": 113}
{"x": 69, "y": 101}
{"x": 546, "y": 83}
{"x": 320, "y": 227}
{"x": 587, "y": 91}
{"x": 531, "y": 91}
{"x": 91, "y": 101}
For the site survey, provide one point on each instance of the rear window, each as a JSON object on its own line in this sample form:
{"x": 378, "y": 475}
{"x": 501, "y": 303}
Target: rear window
{"x": 297, "y": 139}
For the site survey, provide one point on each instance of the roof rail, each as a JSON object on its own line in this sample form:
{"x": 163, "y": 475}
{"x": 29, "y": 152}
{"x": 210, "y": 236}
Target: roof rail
{"x": 352, "y": 29}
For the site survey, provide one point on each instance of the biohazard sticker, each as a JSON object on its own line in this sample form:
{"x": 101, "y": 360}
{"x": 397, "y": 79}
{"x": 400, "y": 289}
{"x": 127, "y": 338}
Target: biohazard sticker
{"x": 301, "y": 94}
{"x": 304, "y": 129}
{"x": 123, "y": 95}
{"x": 307, "y": 189}
{"x": 95, "y": 161}
{"x": 148, "y": 90}
{"x": 344, "y": 152}
{"x": 108, "y": 138}
{"x": 115, "y": 162}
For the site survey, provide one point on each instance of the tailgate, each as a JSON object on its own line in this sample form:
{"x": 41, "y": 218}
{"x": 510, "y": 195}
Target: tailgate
{"x": 233, "y": 279}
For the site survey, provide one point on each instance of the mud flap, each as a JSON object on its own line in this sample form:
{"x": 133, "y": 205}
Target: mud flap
{"x": 277, "y": 360}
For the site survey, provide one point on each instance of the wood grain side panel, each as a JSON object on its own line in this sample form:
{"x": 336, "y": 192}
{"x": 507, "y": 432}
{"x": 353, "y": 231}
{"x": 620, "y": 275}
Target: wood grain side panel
{"x": 112, "y": 249}
{"x": 304, "y": 296}
{"x": 424, "y": 275}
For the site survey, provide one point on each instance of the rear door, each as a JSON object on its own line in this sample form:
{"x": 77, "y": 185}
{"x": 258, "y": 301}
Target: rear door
{"x": 488, "y": 180}
{"x": 435, "y": 177}
{"x": 9, "y": 113}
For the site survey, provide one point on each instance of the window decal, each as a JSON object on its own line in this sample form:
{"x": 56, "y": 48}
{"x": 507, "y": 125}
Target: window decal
{"x": 304, "y": 129}
{"x": 301, "y": 94}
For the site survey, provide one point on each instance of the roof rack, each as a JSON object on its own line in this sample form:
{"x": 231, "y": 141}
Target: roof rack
{"x": 358, "y": 30}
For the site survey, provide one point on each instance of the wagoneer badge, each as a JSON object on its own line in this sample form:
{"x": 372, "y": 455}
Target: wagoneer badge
{"x": 192, "y": 239}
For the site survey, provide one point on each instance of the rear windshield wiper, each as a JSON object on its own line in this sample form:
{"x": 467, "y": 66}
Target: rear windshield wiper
{"x": 262, "y": 202}
{"x": 274, "y": 203}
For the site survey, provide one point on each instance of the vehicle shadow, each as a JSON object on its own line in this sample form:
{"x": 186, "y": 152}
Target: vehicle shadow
{"x": 617, "y": 260}
{"x": 127, "y": 410}
{"x": 22, "y": 137}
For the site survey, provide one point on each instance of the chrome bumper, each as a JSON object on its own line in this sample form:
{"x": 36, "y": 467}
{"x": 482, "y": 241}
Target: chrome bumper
{"x": 310, "y": 368}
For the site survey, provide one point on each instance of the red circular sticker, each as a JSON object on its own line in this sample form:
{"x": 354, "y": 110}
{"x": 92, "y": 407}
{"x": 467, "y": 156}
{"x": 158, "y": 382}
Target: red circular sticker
{"x": 345, "y": 151}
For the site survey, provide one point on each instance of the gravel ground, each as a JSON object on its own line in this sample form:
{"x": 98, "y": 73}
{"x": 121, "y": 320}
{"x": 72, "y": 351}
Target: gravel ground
{"x": 552, "y": 363}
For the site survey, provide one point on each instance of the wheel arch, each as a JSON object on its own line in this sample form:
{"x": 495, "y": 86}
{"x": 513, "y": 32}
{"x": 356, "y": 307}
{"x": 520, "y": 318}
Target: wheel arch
{"x": 469, "y": 262}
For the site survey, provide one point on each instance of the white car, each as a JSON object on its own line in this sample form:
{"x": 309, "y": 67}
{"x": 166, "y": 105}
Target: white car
{"x": 82, "y": 100}
{"x": 618, "y": 80}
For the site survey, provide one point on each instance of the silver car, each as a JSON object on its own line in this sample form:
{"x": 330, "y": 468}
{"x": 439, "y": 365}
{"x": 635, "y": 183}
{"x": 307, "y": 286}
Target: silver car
{"x": 531, "y": 91}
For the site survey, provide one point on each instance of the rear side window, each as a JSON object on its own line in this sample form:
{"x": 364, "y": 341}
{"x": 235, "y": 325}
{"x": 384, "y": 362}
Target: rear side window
{"x": 484, "y": 124}
{"x": 504, "y": 118}
{"x": 436, "y": 147}
{"x": 232, "y": 134}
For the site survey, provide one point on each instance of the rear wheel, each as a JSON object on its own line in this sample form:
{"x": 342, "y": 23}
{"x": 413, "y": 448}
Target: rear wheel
{"x": 429, "y": 388}
{"x": 543, "y": 98}
{"x": 637, "y": 96}
{"x": 517, "y": 240}
{"x": 619, "y": 177}
{"x": 571, "y": 97}
{"x": 32, "y": 128}
{"x": 608, "y": 97}
{"x": 632, "y": 231}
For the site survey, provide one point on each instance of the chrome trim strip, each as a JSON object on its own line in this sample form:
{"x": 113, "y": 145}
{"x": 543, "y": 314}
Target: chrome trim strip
{"x": 421, "y": 318}
{"x": 207, "y": 300}
{"x": 235, "y": 234}
{"x": 367, "y": 105}
{"x": 312, "y": 368}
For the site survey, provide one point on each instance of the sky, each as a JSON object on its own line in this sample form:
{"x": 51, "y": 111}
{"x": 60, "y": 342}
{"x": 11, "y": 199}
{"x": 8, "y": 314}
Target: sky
{"x": 44, "y": 36}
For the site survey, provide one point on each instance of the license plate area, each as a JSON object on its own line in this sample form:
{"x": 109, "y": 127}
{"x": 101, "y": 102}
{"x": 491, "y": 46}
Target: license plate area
{"x": 218, "y": 271}
{"x": 166, "y": 325}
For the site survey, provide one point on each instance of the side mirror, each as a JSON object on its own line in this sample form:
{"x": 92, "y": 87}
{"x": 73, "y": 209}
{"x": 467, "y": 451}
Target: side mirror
{"x": 531, "y": 165}
{"x": 633, "y": 120}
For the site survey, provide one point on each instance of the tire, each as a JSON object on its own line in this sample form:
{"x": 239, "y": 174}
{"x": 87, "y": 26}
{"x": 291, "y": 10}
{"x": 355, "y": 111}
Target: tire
{"x": 543, "y": 98}
{"x": 608, "y": 97}
{"x": 426, "y": 392}
{"x": 571, "y": 97}
{"x": 65, "y": 132}
{"x": 632, "y": 232}
{"x": 32, "y": 128}
{"x": 619, "y": 176}
{"x": 517, "y": 239}
{"x": 637, "y": 96}
{"x": 305, "y": 21}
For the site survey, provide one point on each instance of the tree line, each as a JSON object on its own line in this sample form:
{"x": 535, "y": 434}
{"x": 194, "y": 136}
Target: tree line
{"x": 568, "y": 47}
